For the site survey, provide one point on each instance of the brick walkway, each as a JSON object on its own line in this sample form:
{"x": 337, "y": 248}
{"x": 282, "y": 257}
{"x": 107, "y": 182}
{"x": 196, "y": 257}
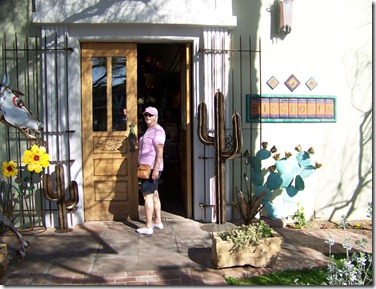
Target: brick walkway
{"x": 187, "y": 277}
{"x": 112, "y": 253}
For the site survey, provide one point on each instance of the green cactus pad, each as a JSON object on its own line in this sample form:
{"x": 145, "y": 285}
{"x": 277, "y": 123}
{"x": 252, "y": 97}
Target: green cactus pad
{"x": 261, "y": 189}
{"x": 307, "y": 171}
{"x": 287, "y": 179}
{"x": 255, "y": 163}
{"x": 303, "y": 158}
{"x": 274, "y": 181}
{"x": 257, "y": 178}
{"x": 299, "y": 183}
{"x": 263, "y": 154}
{"x": 291, "y": 191}
{"x": 290, "y": 166}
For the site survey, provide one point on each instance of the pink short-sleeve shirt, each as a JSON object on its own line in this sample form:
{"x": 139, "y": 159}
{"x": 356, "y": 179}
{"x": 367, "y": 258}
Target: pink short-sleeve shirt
{"x": 148, "y": 146}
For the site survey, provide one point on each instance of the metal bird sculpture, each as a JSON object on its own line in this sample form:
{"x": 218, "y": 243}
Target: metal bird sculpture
{"x": 13, "y": 111}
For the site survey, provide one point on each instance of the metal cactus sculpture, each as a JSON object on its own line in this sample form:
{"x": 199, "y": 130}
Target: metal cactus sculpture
{"x": 221, "y": 154}
{"x": 58, "y": 196}
{"x": 287, "y": 173}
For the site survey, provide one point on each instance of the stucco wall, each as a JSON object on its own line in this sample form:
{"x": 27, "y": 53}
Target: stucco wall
{"x": 330, "y": 41}
{"x": 193, "y": 12}
{"x": 15, "y": 18}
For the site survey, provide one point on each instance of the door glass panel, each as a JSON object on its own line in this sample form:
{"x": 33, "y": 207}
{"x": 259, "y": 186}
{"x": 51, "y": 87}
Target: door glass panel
{"x": 118, "y": 93}
{"x": 99, "y": 88}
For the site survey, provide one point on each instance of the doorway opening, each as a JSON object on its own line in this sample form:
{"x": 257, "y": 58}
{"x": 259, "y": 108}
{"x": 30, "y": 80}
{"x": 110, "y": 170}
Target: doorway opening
{"x": 160, "y": 72}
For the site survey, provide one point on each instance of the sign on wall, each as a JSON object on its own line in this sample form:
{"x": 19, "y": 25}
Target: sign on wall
{"x": 288, "y": 108}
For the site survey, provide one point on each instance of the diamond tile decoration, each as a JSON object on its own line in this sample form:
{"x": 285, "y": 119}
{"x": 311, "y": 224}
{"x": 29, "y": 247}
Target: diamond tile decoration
{"x": 292, "y": 82}
{"x": 311, "y": 83}
{"x": 272, "y": 82}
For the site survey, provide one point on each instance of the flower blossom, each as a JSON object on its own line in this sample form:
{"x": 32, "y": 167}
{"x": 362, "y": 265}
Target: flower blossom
{"x": 36, "y": 158}
{"x": 9, "y": 169}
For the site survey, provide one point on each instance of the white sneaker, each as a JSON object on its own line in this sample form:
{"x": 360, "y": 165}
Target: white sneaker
{"x": 144, "y": 230}
{"x": 158, "y": 226}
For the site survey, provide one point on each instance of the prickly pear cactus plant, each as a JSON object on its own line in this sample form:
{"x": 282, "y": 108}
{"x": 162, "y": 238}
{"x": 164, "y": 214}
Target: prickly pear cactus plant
{"x": 287, "y": 173}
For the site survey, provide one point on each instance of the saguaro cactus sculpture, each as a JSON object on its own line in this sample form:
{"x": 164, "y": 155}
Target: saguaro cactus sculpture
{"x": 221, "y": 154}
{"x": 59, "y": 196}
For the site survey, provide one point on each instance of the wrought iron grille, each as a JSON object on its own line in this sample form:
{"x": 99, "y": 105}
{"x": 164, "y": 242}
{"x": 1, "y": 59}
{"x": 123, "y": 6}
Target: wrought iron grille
{"x": 25, "y": 62}
{"x": 244, "y": 71}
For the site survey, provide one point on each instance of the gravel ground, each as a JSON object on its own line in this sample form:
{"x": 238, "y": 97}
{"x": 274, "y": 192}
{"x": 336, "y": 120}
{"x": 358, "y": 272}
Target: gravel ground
{"x": 354, "y": 224}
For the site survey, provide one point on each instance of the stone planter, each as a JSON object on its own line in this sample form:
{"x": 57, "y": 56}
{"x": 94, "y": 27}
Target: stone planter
{"x": 262, "y": 255}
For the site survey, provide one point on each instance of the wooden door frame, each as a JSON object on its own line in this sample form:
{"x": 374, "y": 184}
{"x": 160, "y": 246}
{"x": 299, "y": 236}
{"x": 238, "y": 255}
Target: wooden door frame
{"x": 188, "y": 124}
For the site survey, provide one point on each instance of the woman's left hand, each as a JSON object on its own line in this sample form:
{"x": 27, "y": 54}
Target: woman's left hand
{"x": 155, "y": 175}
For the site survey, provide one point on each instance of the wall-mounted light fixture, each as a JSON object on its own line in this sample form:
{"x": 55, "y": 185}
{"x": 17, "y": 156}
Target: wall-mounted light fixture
{"x": 285, "y": 15}
{"x": 280, "y": 18}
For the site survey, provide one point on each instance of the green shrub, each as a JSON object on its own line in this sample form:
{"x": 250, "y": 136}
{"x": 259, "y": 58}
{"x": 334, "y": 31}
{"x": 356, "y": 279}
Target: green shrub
{"x": 247, "y": 234}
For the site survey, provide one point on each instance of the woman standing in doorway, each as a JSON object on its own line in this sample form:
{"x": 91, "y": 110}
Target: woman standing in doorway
{"x": 151, "y": 146}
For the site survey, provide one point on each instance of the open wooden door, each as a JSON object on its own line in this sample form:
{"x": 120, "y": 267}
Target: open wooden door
{"x": 109, "y": 85}
{"x": 186, "y": 134}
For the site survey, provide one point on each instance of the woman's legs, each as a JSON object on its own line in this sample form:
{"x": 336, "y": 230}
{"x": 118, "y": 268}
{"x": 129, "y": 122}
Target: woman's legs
{"x": 157, "y": 208}
{"x": 152, "y": 205}
{"x": 149, "y": 209}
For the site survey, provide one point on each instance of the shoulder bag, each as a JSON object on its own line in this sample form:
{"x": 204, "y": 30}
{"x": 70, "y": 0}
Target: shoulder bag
{"x": 143, "y": 172}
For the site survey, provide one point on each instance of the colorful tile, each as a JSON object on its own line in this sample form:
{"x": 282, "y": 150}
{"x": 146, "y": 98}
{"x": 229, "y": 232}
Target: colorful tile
{"x": 255, "y": 107}
{"x": 264, "y": 107}
{"x": 302, "y": 108}
{"x": 311, "y": 83}
{"x": 329, "y": 108}
{"x": 292, "y": 82}
{"x": 311, "y": 108}
{"x": 289, "y": 108}
{"x": 293, "y": 108}
{"x": 274, "y": 108}
{"x": 272, "y": 82}
{"x": 283, "y": 108}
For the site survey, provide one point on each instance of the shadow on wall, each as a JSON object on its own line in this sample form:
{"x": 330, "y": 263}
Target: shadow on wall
{"x": 124, "y": 10}
{"x": 359, "y": 64}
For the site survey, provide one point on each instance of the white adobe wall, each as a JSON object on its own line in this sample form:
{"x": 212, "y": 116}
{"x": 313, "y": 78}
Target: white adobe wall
{"x": 136, "y": 21}
{"x": 193, "y": 12}
{"x": 330, "y": 41}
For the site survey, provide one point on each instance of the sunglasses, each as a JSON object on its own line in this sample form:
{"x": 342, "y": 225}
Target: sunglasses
{"x": 148, "y": 114}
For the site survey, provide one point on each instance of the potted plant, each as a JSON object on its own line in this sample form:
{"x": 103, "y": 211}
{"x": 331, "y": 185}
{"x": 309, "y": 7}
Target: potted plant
{"x": 255, "y": 244}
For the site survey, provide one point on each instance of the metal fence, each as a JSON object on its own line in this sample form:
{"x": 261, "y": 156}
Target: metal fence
{"x": 25, "y": 62}
{"x": 239, "y": 62}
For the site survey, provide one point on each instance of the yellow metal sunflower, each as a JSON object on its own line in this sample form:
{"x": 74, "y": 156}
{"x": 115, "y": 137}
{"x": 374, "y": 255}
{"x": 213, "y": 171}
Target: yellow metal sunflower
{"x": 36, "y": 159}
{"x": 9, "y": 169}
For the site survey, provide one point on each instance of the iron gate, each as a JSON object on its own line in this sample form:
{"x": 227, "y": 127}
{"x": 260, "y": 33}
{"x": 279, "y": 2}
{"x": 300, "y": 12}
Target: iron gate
{"x": 238, "y": 61}
{"x": 26, "y": 66}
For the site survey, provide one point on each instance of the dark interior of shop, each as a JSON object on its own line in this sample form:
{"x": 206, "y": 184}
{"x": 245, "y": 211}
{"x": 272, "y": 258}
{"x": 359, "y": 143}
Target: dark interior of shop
{"x": 159, "y": 86}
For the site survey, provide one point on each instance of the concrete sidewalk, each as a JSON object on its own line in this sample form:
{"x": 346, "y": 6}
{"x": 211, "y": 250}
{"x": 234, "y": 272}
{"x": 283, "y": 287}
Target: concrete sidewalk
{"x": 112, "y": 253}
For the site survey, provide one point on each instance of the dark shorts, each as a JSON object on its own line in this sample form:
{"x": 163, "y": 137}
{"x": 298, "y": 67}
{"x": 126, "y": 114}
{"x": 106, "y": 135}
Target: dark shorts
{"x": 149, "y": 186}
